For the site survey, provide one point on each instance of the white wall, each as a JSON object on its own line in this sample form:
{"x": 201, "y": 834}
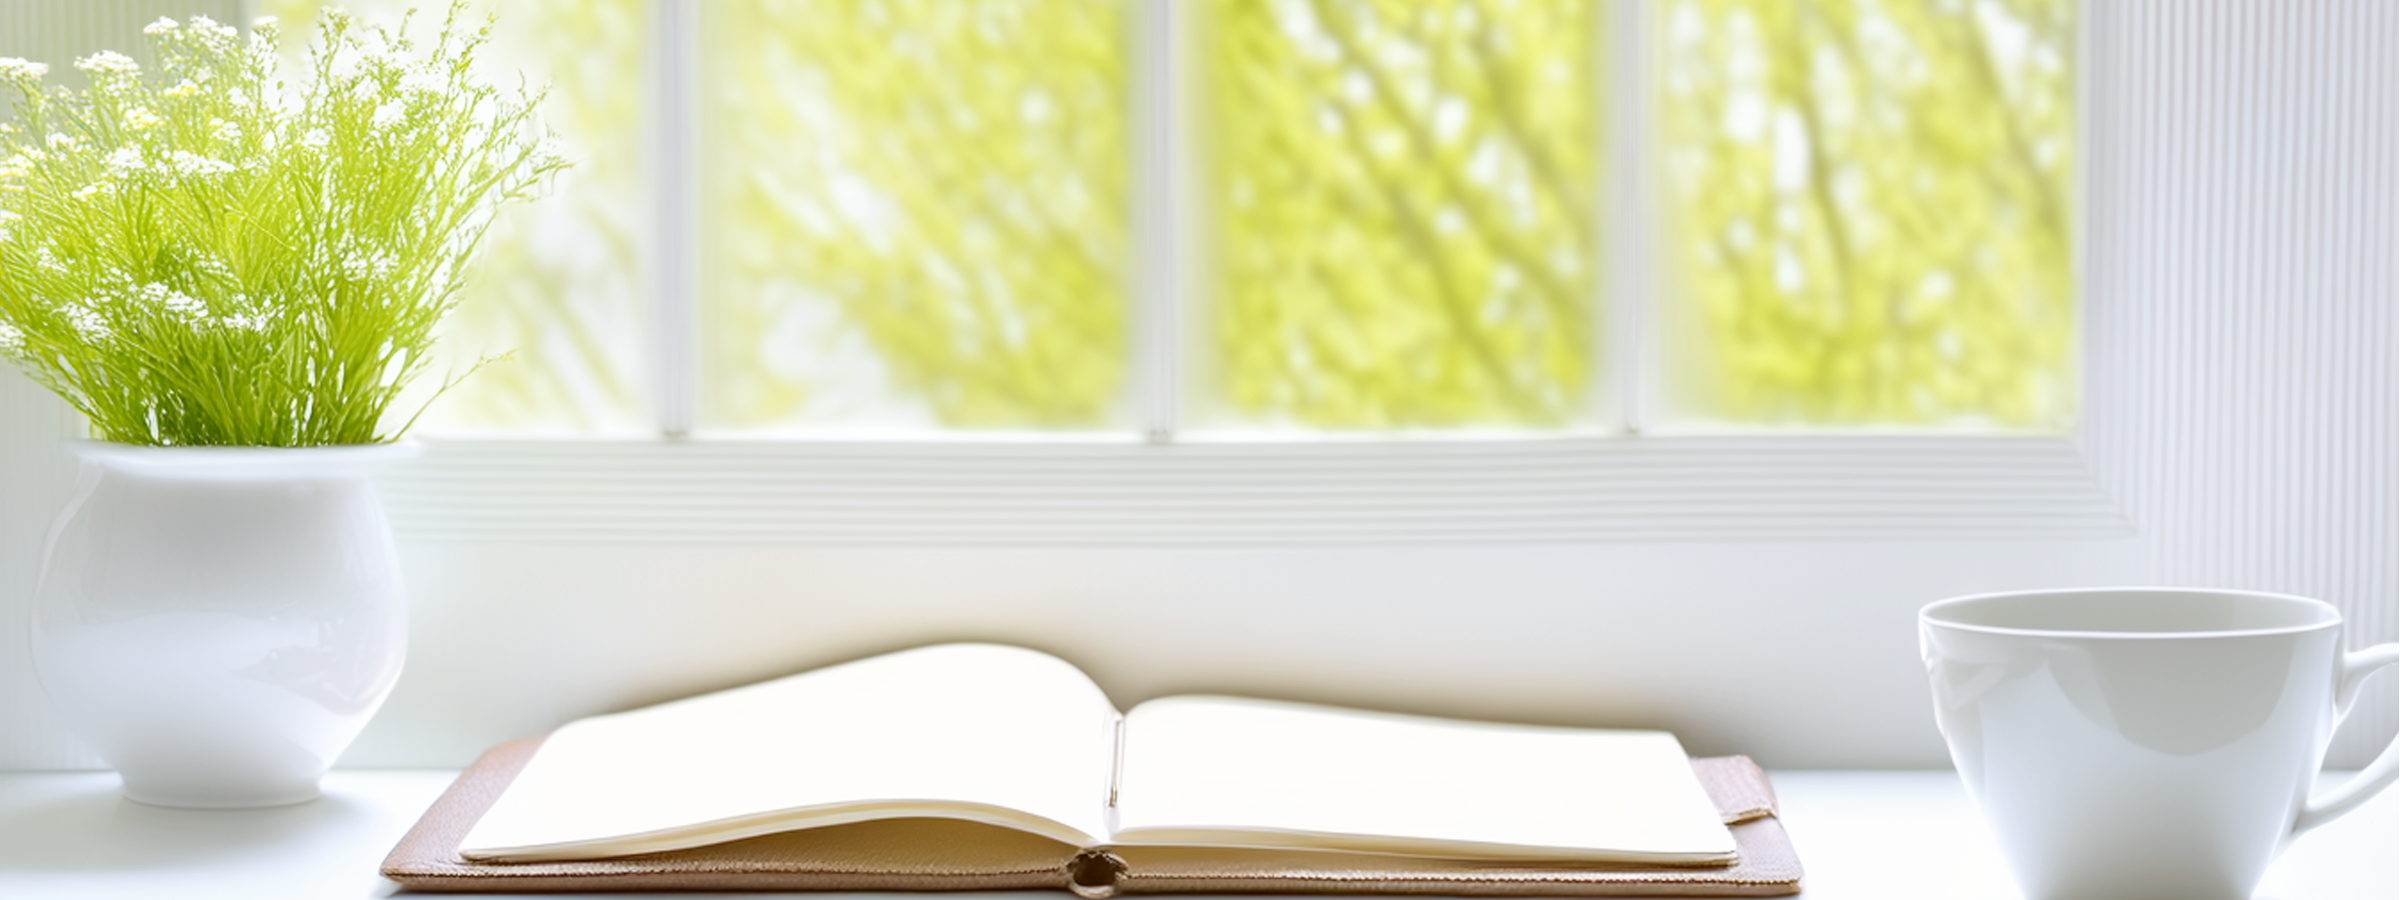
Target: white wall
{"x": 2240, "y": 408}
{"x": 1801, "y": 654}
{"x": 35, "y": 476}
{"x": 2243, "y": 278}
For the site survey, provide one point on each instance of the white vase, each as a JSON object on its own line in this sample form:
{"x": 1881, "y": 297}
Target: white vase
{"x": 219, "y": 623}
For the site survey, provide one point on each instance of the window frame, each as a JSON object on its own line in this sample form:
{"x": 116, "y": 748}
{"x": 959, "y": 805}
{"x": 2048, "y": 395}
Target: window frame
{"x": 1621, "y": 479}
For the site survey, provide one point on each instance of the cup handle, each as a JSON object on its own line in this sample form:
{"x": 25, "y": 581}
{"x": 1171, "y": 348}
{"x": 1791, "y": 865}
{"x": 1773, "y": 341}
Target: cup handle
{"x": 2378, "y": 774}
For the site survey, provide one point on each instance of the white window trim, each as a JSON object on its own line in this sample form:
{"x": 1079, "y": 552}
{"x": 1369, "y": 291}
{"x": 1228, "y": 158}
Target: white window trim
{"x": 671, "y": 140}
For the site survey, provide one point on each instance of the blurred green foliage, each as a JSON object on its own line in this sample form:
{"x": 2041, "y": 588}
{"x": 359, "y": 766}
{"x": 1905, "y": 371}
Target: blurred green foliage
{"x": 1873, "y": 213}
{"x": 1401, "y": 200}
{"x": 949, "y": 177}
{"x": 558, "y": 285}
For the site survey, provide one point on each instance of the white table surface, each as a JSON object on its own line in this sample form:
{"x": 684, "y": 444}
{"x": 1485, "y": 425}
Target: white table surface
{"x": 1859, "y": 834}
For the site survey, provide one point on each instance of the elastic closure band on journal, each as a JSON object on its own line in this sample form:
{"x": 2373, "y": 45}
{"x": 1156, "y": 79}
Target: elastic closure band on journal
{"x": 1094, "y": 873}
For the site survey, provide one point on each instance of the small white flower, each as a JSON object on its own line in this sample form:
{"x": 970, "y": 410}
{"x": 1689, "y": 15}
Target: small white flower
{"x": 164, "y": 25}
{"x": 212, "y": 34}
{"x": 226, "y": 131}
{"x": 60, "y": 142}
{"x": 48, "y": 261}
{"x": 108, "y": 62}
{"x": 94, "y": 189}
{"x": 245, "y": 321}
{"x": 194, "y": 165}
{"x": 126, "y": 160}
{"x": 15, "y": 167}
{"x": 86, "y": 321}
{"x": 389, "y": 115}
{"x": 141, "y": 117}
{"x": 185, "y": 88}
{"x": 316, "y": 138}
{"x": 263, "y": 22}
{"x": 177, "y": 302}
{"x": 15, "y": 69}
{"x": 11, "y": 340}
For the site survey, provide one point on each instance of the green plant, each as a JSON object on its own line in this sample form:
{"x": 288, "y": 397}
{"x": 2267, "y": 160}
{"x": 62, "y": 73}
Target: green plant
{"x": 205, "y": 257}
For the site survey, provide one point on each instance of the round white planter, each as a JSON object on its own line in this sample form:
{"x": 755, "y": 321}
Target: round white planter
{"x": 219, "y": 623}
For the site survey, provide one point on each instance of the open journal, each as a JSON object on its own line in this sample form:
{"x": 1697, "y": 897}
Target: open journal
{"x": 977, "y": 758}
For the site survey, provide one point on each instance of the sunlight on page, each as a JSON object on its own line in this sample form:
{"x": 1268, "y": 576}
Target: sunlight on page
{"x": 988, "y": 733}
{"x": 1213, "y": 770}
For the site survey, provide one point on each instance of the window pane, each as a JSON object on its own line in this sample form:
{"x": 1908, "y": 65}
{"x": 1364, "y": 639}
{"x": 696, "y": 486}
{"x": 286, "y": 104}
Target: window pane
{"x": 558, "y": 286}
{"x": 1872, "y": 210}
{"x": 914, "y": 213}
{"x": 1400, "y": 198}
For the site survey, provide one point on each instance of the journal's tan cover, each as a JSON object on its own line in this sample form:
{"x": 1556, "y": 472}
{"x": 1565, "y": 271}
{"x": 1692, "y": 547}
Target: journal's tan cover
{"x": 920, "y": 855}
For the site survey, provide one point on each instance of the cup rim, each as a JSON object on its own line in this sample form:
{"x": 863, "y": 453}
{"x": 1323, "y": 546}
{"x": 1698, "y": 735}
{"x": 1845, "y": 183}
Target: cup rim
{"x": 1925, "y": 615}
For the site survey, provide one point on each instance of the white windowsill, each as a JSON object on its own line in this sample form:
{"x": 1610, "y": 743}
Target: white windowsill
{"x": 1860, "y": 836}
{"x": 1562, "y": 489}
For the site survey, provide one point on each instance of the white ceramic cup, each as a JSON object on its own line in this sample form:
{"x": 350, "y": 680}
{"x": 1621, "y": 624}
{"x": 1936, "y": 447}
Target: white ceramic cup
{"x": 2146, "y": 742}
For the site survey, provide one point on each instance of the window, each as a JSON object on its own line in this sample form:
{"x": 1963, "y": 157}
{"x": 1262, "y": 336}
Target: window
{"x": 1274, "y": 235}
{"x": 1299, "y": 217}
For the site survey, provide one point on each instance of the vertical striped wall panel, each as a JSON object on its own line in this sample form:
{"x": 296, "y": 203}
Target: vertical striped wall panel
{"x": 2241, "y": 290}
